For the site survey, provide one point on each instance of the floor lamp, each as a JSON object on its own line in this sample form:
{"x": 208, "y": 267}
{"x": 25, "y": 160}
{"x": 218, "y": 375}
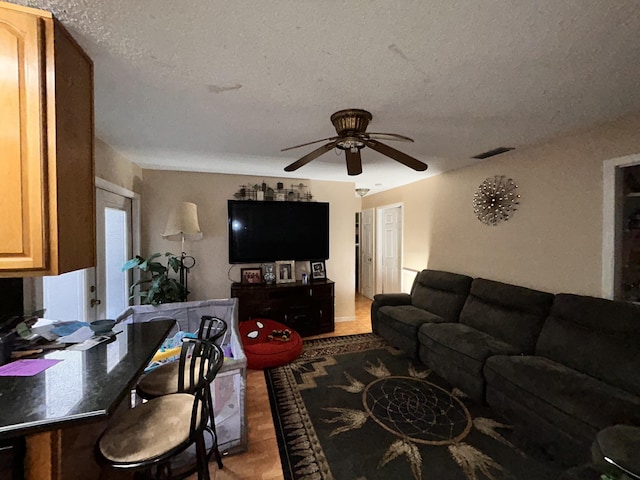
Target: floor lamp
{"x": 183, "y": 225}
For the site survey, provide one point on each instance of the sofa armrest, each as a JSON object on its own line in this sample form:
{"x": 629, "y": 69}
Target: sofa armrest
{"x": 384, "y": 299}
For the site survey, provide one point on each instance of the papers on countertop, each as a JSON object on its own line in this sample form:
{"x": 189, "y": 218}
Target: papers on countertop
{"x": 62, "y": 332}
{"x": 66, "y": 329}
{"x": 80, "y": 335}
{"x": 27, "y": 367}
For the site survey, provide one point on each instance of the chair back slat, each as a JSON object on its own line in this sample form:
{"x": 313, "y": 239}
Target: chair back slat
{"x": 211, "y": 328}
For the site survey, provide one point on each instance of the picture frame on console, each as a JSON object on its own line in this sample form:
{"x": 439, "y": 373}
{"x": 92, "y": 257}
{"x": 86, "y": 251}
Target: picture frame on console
{"x": 318, "y": 270}
{"x": 251, "y": 275}
{"x": 285, "y": 271}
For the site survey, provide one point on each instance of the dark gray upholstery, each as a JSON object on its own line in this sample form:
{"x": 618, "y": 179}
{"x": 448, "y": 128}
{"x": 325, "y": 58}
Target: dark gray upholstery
{"x": 440, "y": 345}
{"x": 496, "y": 319}
{"x": 435, "y": 297}
{"x": 399, "y": 325}
{"x": 583, "y": 377}
{"x": 442, "y": 293}
{"x": 592, "y": 335}
{"x": 382, "y": 299}
{"x": 510, "y": 313}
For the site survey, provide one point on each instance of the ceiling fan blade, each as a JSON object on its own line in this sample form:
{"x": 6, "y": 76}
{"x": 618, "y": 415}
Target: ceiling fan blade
{"x": 389, "y": 136}
{"x": 309, "y": 156}
{"x": 396, "y": 155}
{"x": 309, "y": 143}
{"x": 354, "y": 162}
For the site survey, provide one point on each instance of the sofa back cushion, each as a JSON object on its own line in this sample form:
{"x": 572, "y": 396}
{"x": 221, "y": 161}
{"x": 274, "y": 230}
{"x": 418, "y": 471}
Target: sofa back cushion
{"x": 507, "y": 312}
{"x": 595, "y": 336}
{"x": 442, "y": 293}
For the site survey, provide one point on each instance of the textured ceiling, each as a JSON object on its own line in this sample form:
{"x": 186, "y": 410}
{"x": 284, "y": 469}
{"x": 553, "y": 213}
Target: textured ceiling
{"x": 223, "y": 86}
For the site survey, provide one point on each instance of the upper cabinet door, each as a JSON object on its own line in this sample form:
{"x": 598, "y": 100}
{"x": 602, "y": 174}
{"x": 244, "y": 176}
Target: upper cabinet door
{"x": 23, "y": 201}
{"x": 47, "y": 197}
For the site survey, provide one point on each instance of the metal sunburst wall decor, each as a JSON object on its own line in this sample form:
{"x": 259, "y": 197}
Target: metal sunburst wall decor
{"x": 495, "y": 200}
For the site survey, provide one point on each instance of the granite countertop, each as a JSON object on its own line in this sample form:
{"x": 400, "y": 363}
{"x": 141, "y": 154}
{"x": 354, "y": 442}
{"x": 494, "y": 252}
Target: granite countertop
{"x": 84, "y": 385}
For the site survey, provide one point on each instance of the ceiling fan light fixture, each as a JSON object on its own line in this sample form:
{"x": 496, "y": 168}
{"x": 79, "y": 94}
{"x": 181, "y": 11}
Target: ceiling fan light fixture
{"x": 350, "y": 143}
{"x": 362, "y": 191}
{"x": 351, "y": 120}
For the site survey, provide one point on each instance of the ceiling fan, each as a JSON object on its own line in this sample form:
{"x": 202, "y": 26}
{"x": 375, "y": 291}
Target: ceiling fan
{"x": 351, "y": 126}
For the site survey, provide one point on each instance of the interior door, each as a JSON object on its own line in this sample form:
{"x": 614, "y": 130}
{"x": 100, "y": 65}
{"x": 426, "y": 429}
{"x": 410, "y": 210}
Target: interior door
{"x": 113, "y": 237}
{"x": 367, "y": 253}
{"x": 391, "y": 249}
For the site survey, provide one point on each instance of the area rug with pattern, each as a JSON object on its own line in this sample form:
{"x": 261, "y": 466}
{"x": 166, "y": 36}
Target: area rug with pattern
{"x": 355, "y": 408}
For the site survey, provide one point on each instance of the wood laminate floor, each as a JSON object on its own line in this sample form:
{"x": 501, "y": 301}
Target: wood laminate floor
{"x": 262, "y": 461}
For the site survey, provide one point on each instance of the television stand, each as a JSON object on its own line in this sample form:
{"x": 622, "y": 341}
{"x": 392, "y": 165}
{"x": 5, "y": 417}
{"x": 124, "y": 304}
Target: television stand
{"x": 306, "y": 308}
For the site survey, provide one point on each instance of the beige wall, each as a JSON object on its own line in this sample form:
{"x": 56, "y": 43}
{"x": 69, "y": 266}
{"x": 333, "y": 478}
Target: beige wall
{"x": 212, "y": 276}
{"x": 114, "y": 168}
{"x": 554, "y": 240}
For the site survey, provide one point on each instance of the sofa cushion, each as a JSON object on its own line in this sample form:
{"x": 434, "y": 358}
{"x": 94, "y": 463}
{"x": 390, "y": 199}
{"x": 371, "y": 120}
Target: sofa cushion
{"x": 574, "y": 402}
{"x": 598, "y": 337}
{"x": 406, "y": 319}
{"x": 509, "y": 313}
{"x": 382, "y": 299}
{"x": 452, "y": 348}
{"x": 442, "y": 293}
{"x": 399, "y": 325}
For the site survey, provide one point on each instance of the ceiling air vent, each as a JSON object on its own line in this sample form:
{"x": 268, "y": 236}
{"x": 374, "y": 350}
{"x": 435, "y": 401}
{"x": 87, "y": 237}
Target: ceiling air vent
{"x": 492, "y": 153}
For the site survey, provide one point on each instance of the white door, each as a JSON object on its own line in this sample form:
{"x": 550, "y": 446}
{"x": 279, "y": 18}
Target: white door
{"x": 391, "y": 241}
{"x": 113, "y": 237}
{"x": 101, "y": 292}
{"x": 367, "y": 253}
{"x": 70, "y": 296}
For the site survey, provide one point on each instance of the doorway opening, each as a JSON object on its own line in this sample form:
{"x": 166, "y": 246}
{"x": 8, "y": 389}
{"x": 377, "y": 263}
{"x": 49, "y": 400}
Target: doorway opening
{"x": 621, "y": 229}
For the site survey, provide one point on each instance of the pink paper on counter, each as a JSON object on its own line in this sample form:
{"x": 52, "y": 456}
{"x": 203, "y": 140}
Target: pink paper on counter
{"x": 26, "y": 368}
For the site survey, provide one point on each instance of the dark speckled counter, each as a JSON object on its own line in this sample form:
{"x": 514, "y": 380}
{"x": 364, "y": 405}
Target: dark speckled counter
{"x": 83, "y": 386}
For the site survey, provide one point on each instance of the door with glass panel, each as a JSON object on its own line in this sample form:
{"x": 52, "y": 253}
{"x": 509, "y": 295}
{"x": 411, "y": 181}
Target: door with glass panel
{"x": 113, "y": 237}
{"x": 100, "y": 292}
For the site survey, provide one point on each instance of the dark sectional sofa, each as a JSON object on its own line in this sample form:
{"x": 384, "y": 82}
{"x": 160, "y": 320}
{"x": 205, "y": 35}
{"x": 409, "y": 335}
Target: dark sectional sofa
{"x": 562, "y": 367}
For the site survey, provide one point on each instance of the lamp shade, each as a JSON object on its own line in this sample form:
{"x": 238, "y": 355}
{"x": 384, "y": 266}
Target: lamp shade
{"x": 183, "y": 222}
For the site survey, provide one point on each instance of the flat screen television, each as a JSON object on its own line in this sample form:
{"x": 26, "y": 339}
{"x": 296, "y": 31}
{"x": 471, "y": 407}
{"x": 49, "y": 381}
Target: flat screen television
{"x": 266, "y": 231}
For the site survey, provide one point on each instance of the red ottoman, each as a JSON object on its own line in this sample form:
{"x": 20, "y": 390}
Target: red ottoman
{"x": 264, "y": 352}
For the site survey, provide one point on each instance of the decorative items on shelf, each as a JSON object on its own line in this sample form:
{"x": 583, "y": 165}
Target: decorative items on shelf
{"x": 318, "y": 270}
{"x": 285, "y": 271}
{"x": 269, "y": 273}
{"x": 296, "y": 193}
{"x": 251, "y": 275}
{"x": 495, "y": 200}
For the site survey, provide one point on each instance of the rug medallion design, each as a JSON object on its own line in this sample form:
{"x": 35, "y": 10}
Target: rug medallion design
{"x": 355, "y": 408}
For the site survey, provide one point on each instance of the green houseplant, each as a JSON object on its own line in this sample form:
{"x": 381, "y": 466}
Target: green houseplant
{"x": 157, "y": 286}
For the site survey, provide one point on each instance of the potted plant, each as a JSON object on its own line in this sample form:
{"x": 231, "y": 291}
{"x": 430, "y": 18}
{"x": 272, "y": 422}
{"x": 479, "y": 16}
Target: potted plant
{"x": 160, "y": 287}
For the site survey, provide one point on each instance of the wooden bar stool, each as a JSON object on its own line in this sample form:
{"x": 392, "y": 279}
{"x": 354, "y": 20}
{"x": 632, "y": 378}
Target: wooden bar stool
{"x": 164, "y": 380}
{"x": 151, "y": 435}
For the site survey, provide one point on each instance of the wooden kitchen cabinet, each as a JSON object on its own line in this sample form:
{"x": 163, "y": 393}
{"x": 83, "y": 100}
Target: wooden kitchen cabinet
{"x": 47, "y": 196}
